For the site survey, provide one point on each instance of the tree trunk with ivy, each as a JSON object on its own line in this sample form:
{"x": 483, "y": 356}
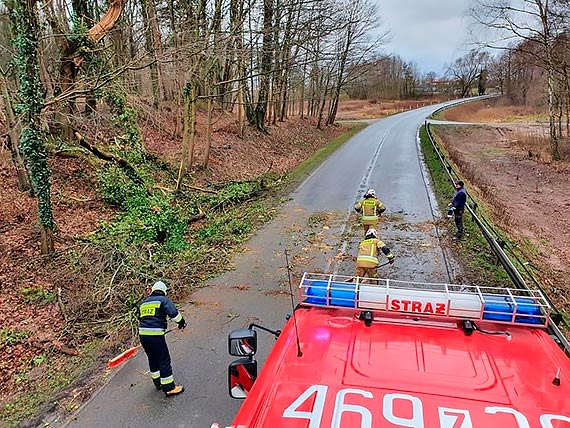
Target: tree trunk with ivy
{"x": 32, "y": 144}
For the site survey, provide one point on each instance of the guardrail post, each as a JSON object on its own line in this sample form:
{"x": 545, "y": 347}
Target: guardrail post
{"x": 497, "y": 249}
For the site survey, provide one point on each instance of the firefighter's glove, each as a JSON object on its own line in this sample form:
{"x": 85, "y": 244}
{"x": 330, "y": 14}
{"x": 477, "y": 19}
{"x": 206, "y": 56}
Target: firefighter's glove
{"x": 182, "y": 323}
{"x": 391, "y": 258}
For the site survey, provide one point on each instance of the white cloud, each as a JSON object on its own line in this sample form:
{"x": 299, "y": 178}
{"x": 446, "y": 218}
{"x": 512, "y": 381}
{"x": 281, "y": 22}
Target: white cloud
{"x": 430, "y": 33}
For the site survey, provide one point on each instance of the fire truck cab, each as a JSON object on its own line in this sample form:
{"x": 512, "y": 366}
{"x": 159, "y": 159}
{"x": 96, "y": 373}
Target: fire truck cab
{"x": 405, "y": 354}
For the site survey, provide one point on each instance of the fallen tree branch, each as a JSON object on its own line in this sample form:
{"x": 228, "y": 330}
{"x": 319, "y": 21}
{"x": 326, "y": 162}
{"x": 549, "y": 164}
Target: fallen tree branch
{"x": 110, "y": 157}
{"x": 269, "y": 167}
{"x": 163, "y": 189}
{"x": 197, "y": 217}
{"x": 68, "y": 153}
{"x": 45, "y": 345}
{"x": 200, "y": 189}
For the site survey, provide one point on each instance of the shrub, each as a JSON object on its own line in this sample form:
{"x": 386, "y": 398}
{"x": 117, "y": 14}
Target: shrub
{"x": 10, "y": 336}
{"x": 37, "y": 295}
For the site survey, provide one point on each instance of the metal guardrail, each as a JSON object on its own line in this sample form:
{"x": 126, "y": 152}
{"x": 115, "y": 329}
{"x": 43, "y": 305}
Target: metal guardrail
{"x": 497, "y": 248}
{"x": 465, "y": 101}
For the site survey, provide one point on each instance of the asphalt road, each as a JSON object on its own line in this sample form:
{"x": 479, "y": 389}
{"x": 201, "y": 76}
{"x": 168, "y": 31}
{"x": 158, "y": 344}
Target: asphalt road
{"x": 318, "y": 229}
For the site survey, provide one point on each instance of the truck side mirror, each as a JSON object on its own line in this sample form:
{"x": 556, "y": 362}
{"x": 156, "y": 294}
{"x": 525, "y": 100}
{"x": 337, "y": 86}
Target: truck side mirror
{"x": 241, "y": 375}
{"x": 242, "y": 342}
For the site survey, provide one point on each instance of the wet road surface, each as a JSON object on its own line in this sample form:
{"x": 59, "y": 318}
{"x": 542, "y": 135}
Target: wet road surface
{"x": 319, "y": 229}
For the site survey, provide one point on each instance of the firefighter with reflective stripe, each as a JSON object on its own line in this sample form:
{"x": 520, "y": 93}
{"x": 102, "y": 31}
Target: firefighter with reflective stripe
{"x": 152, "y": 328}
{"x": 368, "y": 250}
{"x": 371, "y": 208}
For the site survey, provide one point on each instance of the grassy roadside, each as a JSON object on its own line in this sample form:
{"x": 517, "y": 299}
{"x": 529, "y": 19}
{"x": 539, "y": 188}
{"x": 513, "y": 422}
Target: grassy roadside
{"x": 437, "y": 115}
{"x": 298, "y": 174}
{"x": 154, "y": 235}
{"x": 520, "y": 252}
{"x": 479, "y": 263}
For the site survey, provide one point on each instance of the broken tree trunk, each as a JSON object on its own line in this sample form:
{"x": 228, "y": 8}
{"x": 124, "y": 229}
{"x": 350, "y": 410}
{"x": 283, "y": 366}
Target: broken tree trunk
{"x": 110, "y": 157}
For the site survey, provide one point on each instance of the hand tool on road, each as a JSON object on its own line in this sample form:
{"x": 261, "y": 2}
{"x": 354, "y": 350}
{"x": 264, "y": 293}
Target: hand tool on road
{"x": 123, "y": 356}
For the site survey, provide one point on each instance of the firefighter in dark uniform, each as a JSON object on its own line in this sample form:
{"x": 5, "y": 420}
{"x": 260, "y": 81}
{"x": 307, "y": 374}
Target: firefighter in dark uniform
{"x": 152, "y": 328}
{"x": 457, "y": 207}
{"x": 371, "y": 208}
{"x": 367, "y": 258}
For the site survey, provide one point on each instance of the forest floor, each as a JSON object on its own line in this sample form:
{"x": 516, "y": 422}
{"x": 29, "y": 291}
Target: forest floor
{"x": 509, "y": 167}
{"x": 37, "y": 350}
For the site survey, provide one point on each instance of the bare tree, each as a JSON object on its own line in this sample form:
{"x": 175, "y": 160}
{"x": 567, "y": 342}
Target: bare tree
{"x": 357, "y": 19}
{"x": 466, "y": 70}
{"x": 536, "y": 21}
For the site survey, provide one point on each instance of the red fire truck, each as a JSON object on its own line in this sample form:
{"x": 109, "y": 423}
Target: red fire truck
{"x": 405, "y": 354}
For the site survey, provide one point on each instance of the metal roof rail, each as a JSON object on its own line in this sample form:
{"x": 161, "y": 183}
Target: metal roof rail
{"x": 497, "y": 304}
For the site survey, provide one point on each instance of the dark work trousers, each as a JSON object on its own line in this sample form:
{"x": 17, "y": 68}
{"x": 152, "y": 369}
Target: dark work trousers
{"x": 159, "y": 359}
{"x": 459, "y": 222}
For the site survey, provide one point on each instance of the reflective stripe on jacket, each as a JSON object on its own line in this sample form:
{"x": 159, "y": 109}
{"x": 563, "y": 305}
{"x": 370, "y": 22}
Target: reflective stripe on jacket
{"x": 368, "y": 253}
{"x": 370, "y": 207}
{"x": 153, "y": 312}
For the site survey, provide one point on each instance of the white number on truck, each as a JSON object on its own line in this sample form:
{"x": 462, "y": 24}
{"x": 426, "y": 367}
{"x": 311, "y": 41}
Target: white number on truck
{"x": 454, "y": 418}
{"x": 340, "y": 407}
{"x": 448, "y": 417}
{"x": 316, "y": 414}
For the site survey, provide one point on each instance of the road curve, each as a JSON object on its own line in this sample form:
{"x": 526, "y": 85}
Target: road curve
{"x": 384, "y": 156}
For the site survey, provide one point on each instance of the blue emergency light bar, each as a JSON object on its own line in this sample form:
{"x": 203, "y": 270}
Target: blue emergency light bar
{"x": 497, "y": 304}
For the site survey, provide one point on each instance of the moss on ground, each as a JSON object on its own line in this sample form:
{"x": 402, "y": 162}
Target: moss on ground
{"x": 183, "y": 237}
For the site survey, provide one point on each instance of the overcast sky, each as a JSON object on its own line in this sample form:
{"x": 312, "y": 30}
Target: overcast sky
{"x": 432, "y": 33}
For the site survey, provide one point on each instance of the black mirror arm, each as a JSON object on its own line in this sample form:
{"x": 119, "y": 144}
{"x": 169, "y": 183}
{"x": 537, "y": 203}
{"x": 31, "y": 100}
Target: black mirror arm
{"x": 276, "y": 333}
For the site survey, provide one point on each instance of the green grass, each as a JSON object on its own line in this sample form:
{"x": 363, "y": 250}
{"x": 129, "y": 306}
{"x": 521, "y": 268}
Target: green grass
{"x": 10, "y": 336}
{"x": 150, "y": 238}
{"x": 298, "y": 174}
{"x": 37, "y": 295}
{"x": 473, "y": 251}
{"x": 55, "y": 379}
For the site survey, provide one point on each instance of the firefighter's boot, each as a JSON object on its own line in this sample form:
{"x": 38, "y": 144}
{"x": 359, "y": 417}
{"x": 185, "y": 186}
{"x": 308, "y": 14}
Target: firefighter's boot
{"x": 157, "y": 383}
{"x": 178, "y": 389}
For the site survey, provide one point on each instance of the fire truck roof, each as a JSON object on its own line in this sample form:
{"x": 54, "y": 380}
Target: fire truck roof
{"x": 408, "y": 372}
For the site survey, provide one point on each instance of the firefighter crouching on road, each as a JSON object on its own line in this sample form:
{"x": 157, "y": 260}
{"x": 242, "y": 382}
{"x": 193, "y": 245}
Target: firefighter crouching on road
{"x": 368, "y": 250}
{"x": 152, "y": 328}
{"x": 371, "y": 208}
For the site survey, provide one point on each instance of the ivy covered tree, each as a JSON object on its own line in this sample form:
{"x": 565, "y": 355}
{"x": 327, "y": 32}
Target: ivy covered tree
{"x": 24, "y": 18}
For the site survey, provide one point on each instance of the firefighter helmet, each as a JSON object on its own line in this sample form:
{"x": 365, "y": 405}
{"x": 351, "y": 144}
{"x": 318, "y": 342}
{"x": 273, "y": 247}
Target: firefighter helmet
{"x": 371, "y": 192}
{"x": 159, "y": 286}
{"x": 371, "y": 233}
